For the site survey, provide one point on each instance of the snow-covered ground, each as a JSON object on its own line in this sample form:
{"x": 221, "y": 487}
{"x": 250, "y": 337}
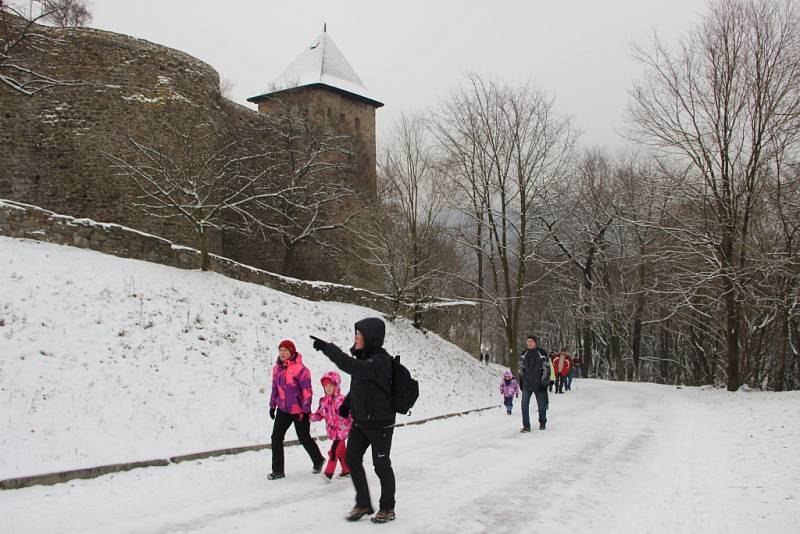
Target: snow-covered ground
{"x": 616, "y": 458}
{"x": 105, "y": 360}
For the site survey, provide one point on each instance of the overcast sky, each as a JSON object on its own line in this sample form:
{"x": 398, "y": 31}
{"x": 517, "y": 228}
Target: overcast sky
{"x": 411, "y": 53}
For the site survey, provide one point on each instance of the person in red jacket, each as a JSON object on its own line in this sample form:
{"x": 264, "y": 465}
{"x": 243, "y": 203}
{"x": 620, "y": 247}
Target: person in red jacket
{"x": 562, "y": 364}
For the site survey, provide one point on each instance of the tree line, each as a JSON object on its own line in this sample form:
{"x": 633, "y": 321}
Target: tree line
{"x": 675, "y": 262}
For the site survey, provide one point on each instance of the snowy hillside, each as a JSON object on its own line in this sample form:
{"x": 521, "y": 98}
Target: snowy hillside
{"x": 104, "y": 359}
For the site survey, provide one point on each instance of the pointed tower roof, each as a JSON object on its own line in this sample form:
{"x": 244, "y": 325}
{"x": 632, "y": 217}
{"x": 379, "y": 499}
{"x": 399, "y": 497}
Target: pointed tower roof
{"x": 322, "y": 64}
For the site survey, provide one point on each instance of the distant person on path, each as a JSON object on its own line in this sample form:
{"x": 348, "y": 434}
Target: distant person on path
{"x": 562, "y": 364}
{"x": 289, "y": 403}
{"x": 370, "y": 403}
{"x": 336, "y": 426}
{"x": 534, "y": 373}
{"x": 509, "y": 389}
{"x": 552, "y": 378}
{"x": 571, "y": 373}
{"x": 576, "y": 366}
{"x": 486, "y": 358}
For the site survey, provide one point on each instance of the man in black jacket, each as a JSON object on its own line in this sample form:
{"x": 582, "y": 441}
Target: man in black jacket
{"x": 534, "y": 376}
{"x": 370, "y": 403}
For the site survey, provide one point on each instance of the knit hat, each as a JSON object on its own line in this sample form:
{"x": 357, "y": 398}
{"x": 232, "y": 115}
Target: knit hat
{"x": 287, "y": 344}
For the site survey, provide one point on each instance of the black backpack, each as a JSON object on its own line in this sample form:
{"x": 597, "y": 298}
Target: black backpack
{"x": 405, "y": 390}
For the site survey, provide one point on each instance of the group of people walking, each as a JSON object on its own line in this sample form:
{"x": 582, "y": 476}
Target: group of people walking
{"x": 362, "y": 419}
{"x": 538, "y": 374}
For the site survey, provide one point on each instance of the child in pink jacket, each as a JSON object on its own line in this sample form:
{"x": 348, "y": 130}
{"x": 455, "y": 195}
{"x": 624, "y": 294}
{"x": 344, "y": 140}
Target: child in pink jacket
{"x": 338, "y": 427}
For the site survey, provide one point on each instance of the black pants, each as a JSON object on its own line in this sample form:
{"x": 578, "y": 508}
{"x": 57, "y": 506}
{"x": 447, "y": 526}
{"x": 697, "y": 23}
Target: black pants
{"x": 560, "y": 383}
{"x": 281, "y": 424}
{"x": 380, "y": 439}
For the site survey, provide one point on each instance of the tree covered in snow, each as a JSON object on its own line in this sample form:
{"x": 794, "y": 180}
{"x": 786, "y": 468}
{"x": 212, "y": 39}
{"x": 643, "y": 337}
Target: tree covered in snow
{"x": 20, "y": 31}
{"x": 403, "y": 233}
{"x": 506, "y": 146}
{"x": 202, "y": 176}
{"x": 724, "y": 107}
{"x": 313, "y": 162}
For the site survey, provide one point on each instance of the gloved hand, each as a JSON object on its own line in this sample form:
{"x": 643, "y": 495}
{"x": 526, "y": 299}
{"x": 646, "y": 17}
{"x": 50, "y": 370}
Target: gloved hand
{"x": 318, "y": 343}
{"x": 344, "y": 409}
{"x": 272, "y": 413}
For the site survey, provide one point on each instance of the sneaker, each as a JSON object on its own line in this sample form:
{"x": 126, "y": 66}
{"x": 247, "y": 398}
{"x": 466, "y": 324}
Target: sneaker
{"x": 524, "y": 429}
{"x": 317, "y": 469}
{"x": 383, "y": 516}
{"x": 541, "y": 426}
{"x": 344, "y": 475}
{"x": 357, "y": 513}
{"x": 275, "y": 476}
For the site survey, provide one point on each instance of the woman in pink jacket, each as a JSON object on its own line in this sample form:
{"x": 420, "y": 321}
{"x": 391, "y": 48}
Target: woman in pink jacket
{"x": 338, "y": 427}
{"x": 290, "y": 403}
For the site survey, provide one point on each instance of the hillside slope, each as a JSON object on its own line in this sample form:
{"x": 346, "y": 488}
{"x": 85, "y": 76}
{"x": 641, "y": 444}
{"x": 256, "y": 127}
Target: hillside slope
{"x": 104, "y": 359}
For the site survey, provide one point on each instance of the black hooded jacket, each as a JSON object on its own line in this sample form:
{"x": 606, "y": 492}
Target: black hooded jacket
{"x": 370, "y": 397}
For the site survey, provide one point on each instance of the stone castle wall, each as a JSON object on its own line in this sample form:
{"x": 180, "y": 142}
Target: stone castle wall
{"x": 55, "y": 144}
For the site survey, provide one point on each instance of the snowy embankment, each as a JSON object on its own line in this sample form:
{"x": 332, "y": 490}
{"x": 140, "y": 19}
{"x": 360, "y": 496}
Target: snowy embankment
{"x": 105, "y": 360}
{"x": 616, "y": 458}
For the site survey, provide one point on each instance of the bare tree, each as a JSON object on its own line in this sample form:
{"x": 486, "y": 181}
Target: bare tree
{"x": 507, "y": 146}
{"x": 66, "y": 13}
{"x": 202, "y": 177}
{"x": 226, "y": 86}
{"x": 21, "y": 37}
{"x": 314, "y": 162}
{"x": 402, "y": 235}
{"x": 723, "y": 105}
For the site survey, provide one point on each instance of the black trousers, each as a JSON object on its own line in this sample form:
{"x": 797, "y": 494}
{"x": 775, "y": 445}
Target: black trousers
{"x": 380, "y": 439}
{"x": 281, "y": 424}
{"x": 560, "y": 383}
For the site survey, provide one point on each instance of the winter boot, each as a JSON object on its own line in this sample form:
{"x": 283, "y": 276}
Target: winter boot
{"x": 541, "y": 426}
{"x": 317, "y": 469}
{"x": 383, "y": 516}
{"x": 344, "y": 475}
{"x": 524, "y": 429}
{"x": 357, "y": 513}
{"x": 508, "y": 412}
{"x": 275, "y": 476}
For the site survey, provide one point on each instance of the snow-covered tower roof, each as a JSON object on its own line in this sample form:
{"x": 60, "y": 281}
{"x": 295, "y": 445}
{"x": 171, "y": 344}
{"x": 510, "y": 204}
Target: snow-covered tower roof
{"x": 322, "y": 64}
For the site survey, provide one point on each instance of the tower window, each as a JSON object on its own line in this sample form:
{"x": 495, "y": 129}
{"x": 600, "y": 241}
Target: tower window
{"x": 357, "y": 123}
{"x": 341, "y": 117}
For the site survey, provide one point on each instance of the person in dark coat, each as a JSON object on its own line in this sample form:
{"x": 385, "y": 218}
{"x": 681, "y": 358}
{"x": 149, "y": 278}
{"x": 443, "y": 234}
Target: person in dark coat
{"x": 534, "y": 377}
{"x": 370, "y": 404}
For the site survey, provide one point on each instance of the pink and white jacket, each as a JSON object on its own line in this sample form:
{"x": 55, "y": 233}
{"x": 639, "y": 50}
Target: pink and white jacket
{"x": 338, "y": 427}
{"x": 508, "y": 386}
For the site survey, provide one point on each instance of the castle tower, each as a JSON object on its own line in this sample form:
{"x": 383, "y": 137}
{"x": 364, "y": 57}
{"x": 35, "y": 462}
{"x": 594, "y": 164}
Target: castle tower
{"x": 323, "y": 82}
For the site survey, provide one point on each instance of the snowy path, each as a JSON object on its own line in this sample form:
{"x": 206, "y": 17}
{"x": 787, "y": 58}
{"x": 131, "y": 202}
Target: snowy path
{"x": 615, "y": 458}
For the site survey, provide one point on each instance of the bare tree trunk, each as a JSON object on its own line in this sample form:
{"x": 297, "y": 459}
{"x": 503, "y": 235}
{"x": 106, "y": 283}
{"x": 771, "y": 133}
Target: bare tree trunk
{"x": 205, "y": 261}
{"x": 779, "y": 382}
{"x": 288, "y": 256}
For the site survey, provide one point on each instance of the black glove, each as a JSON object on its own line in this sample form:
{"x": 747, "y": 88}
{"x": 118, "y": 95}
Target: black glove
{"x": 344, "y": 408}
{"x": 272, "y": 413}
{"x": 318, "y": 343}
